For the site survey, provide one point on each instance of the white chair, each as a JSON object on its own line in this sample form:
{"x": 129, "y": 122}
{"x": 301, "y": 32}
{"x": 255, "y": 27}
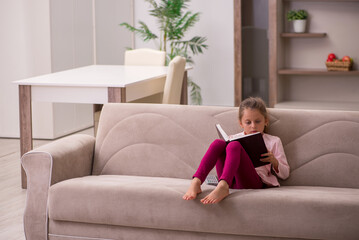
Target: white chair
{"x": 174, "y": 81}
{"x": 145, "y": 57}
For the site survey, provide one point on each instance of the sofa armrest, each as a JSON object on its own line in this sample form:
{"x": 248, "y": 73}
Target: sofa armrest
{"x": 62, "y": 159}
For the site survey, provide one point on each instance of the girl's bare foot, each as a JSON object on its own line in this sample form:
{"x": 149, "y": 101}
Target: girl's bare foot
{"x": 193, "y": 190}
{"x": 218, "y": 194}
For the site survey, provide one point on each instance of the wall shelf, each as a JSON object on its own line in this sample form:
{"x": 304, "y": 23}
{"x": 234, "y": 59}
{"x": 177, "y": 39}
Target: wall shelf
{"x": 298, "y": 77}
{"x": 319, "y": 71}
{"x": 303, "y": 35}
{"x": 321, "y": 0}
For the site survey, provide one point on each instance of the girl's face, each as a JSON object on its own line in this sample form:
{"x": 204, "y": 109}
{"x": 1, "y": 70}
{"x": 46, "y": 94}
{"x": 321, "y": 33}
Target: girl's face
{"x": 252, "y": 121}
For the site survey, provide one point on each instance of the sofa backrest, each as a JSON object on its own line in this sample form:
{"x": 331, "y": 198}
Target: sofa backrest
{"x": 162, "y": 140}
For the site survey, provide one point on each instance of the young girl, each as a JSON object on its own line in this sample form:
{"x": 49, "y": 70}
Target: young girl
{"x": 234, "y": 168}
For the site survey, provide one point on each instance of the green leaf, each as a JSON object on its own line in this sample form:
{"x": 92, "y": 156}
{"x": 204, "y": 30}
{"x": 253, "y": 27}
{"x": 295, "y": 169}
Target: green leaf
{"x": 146, "y": 34}
{"x": 297, "y": 15}
{"x": 188, "y": 21}
{"x": 196, "y": 44}
{"x": 142, "y": 31}
{"x": 196, "y": 97}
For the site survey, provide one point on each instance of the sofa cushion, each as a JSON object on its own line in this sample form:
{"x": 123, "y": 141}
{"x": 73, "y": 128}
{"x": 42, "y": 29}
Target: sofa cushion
{"x": 149, "y": 202}
{"x": 161, "y": 140}
{"x": 321, "y": 146}
{"x": 170, "y": 140}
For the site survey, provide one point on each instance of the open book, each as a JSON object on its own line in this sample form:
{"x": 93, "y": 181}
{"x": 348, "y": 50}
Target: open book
{"x": 252, "y": 143}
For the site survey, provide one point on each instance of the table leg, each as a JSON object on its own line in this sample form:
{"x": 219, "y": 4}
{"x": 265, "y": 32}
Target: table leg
{"x": 25, "y": 125}
{"x": 184, "y": 93}
{"x": 116, "y": 94}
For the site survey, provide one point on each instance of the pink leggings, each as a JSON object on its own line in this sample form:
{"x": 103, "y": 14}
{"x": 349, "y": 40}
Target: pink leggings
{"x": 232, "y": 164}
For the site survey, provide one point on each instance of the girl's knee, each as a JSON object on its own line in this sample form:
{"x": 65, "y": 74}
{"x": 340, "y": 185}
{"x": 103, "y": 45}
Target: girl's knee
{"x": 218, "y": 144}
{"x": 234, "y": 146}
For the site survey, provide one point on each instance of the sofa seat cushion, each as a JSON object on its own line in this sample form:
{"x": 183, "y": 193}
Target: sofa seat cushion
{"x": 150, "y": 202}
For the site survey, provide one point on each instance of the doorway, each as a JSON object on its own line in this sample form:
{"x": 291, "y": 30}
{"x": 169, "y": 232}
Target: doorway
{"x": 252, "y": 48}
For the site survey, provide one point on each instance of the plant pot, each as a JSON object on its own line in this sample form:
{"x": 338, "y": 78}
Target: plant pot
{"x": 299, "y": 25}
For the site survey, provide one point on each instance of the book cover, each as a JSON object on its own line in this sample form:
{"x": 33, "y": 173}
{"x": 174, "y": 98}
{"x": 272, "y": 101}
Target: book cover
{"x": 253, "y": 144}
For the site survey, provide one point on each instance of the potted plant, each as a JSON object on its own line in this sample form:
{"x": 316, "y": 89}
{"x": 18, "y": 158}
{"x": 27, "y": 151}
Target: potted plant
{"x": 299, "y": 18}
{"x": 173, "y": 22}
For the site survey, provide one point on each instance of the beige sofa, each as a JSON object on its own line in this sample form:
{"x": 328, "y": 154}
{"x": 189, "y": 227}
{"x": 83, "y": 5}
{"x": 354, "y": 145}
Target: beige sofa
{"x": 129, "y": 182}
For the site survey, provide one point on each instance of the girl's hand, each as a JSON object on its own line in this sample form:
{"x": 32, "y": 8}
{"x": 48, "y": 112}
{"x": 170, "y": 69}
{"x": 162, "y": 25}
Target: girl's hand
{"x": 269, "y": 157}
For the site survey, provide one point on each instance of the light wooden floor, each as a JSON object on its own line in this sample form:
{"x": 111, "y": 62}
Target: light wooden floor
{"x": 12, "y": 196}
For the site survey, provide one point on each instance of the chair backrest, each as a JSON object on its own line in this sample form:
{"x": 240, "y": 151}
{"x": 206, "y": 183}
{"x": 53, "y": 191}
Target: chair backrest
{"x": 145, "y": 57}
{"x": 174, "y": 80}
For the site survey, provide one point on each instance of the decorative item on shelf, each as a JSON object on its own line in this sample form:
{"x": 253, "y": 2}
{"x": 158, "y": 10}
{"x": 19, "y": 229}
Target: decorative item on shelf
{"x": 299, "y": 18}
{"x": 335, "y": 64}
{"x": 339, "y": 66}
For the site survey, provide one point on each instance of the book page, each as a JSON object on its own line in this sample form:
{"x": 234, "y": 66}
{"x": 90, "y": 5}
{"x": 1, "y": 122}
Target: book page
{"x": 240, "y": 135}
{"x": 235, "y": 136}
{"x": 222, "y": 133}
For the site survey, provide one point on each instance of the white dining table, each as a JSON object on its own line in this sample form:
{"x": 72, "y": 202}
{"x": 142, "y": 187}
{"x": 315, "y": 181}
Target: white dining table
{"x": 95, "y": 84}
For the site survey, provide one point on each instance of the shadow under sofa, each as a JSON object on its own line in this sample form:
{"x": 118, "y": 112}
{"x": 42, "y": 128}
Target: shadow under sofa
{"x": 128, "y": 183}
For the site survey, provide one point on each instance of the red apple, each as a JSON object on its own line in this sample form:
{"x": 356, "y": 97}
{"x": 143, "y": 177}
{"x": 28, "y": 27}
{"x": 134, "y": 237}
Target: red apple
{"x": 332, "y": 56}
{"x": 346, "y": 59}
{"x": 329, "y": 60}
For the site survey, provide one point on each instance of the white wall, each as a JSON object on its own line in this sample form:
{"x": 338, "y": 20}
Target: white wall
{"x": 112, "y": 39}
{"x": 39, "y": 37}
{"x": 213, "y": 70}
{"x": 25, "y": 52}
